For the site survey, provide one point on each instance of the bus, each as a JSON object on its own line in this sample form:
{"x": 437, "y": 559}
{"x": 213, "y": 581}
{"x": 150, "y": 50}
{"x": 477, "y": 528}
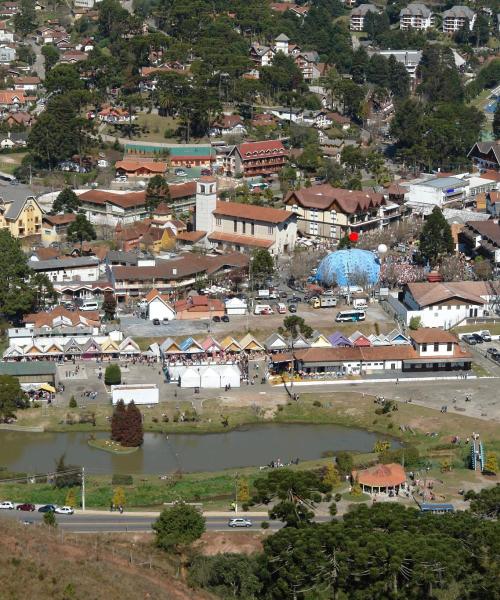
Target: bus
{"x": 350, "y": 315}
{"x": 436, "y": 508}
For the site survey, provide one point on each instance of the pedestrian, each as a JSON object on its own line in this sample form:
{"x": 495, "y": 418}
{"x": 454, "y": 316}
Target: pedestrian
{"x": 120, "y": 508}
{"x": 397, "y": 380}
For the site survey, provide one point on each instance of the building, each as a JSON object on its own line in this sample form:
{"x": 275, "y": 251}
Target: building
{"x": 456, "y": 18}
{"x": 81, "y": 268}
{"x": 104, "y": 207}
{"x": 5, "y": 34}
{"x": 138, "y": 168}
{"x": 388, "y": 479}
{"x": 7, "y": 55}
{"x": 60, "y": 318}
{"x": 21, "y": 217}
{"x": 28, "y": 84}
{"x": 445, "y": 305}
{"x": 237, "y": 226}
{"x": 31, "y": 373}
{"x": 199, "y": 307}
{"x": 416, "y": 16}
{"x": 228, "y": 125}
{"x": 486, "y": 155}
{"x": 410, "y": 59}
{"x": 55, "y": 227}
{"x": 493, "y": 203}
{"x": 159, "y": 307}
{"x": 438, "y": 191}
{"x": 328, "y": 212}
{"x": 358, "y": 14}
{"x": 482, "y": 238}
{"x": 251, "y": 159}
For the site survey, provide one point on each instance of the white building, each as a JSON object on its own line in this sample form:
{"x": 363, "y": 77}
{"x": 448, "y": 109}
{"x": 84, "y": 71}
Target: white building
{"x": 139, "y": 394}
{"x": 236, "y": 306}
{"x": 455, "y": 19}
{"x": 416, "y": 16}
{"x": 358, "y": 14}
{"x": 80, "y": 268}
{"x": 437, "y": 191}
{"x": 159, "y": 307}
{"x": 410, "y": 59}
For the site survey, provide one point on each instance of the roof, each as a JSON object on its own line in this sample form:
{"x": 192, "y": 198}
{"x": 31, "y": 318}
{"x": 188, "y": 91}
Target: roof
{"x": 242, "y": 240}
{"x": 46, "y": 253}
{"x": 199, "y": 304}
{"x": 253, "y": 150}
{"x": 191, "y": 236}
{"x": 325, "y": 196}
{"x": 381, "y": 475}
{"x": 60, "y": 219}
{"x": 486, "y": 148}
{"x": 16, "y": 207}
{"x": 490, "y": 174}
{"x": 19, "y": 369}
{"x": 252, "y": 212}
{"x": 432, "y": 335}
{"x": 443, "y": 182}
{"x": 488, "y": 230}
{"x": 426, "y": 293}
{"x": 182, "y": 190}
{"x": 459, "y": 12}
{"x": 101, "y": 197}
{"x": 58, "y": 313}
{"x": 10, "y": 97}
{"x": 133, "y": 165}
{"x": 63, "y": 263}
{"x": 415, "y": 10}
{"x": 282, "y": 38}
{"x": 363, "y": 9}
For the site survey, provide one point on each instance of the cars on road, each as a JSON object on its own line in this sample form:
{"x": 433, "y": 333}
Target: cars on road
{"x": 493, "y": 353}
{"x": 477, "y": 337}
{"x": 468, "y": 339}
{"x": 64, "y": 510}
{"x": 216, "y": 319}
{"x": 180, "y": 173}
{"x": 239, "y": 522}
{"x": 292, "y": 308}
{"x": 224, "y": 319}
{"x": 7, "y": 505}
{"x": 27, "y": 506}
{"x": 156, "y": 321}
{"x": 47, "y": 508}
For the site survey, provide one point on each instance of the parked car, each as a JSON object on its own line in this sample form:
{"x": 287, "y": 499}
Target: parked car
{"x": 486, "y": 335}
{"x": 64, "y": 510}
{"x": 292, "y": 308}
{"x": 6, "y": 504}
{"x": 165, "y": 321}
{"x": 47, "y": 508}
{"x": 294, "y": 298}
{"x": 493, "y": 352}
{"x": 180, "y": 173}
{"x": 225, "y": 318}
{"x": 477, "y": 337}
{"x": 206, "y": 172}
{"x": 156, "y": 321}
{"x": 468, "y": 339}
{"x": 283, "y": 295}
{"x": 239, "y": 522}
{"x": 26, "y": 506}
{"x": 216, "y": 319}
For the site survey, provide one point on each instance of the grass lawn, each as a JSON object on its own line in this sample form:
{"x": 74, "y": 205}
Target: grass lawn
{"x": 155, "y": 126}
{"x": 110, "y": 446}
{"x": 493, "y": 328}
{"x": 10, "y": 162}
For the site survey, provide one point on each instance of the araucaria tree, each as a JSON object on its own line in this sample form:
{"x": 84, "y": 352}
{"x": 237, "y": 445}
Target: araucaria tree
{"x": 126, "y": 425}
{"x": 436, "y": 239}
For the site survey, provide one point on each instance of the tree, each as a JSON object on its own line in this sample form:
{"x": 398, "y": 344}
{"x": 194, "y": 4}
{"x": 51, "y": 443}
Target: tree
{"x": 156, "y": 192}
{"x": 485, "y": 503}
{"x": 81, "y": 230}
{"x": 119, "y": 497}
{"x": 356, "y": 488}
{"x": 178, "y": 527}
{"x": 16, "y": 295}
{"x": 482, "y": 268}
{"x": 49, "y": 519}
{"x": 227, "y": 575}
{"x": 43, "y": 290}
{"x": 496, "y": 122}
{"x": 436, "y": 239}
{"x": 344, "y": 242}
{"x": 72, "y": 402}
{"x": 112, "y": 375}
{"x": 415, "y": 323}
{"x": 345, "y": 463}
{"x": 71, "y": 498}
{"x": 331, "y": 476}
{"x": 134, "y": 433}
{"x": 109, "y": 305}
{"x": 243, "y": 490}
{"x": 118, "y": 422}
{"x": 262, "y": 263}
{"x": 491, "y": 465}
{"x": 25, "y": 20}
{"x": 66, "y": 476}
{"x": 66, "y": 202}
{"x": 12, "y": 397}
{"x": 293, "y": 325}
{"x": 51, "y": 55}
{"x": 63, "y": 78}
{"x": 332, "y": 509}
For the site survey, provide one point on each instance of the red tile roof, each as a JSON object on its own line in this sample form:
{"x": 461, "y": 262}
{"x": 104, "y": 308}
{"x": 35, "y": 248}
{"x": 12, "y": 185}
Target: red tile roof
{"x": 241, "y": 240}
{"x": 60, "y": 219}
{"x": 266, "y": 149}
{"x": 381, "y": 475}
{"x": 325, "y": 196}
{"x": 252, "y": 212}
{"x": 191, "y": 236}
{"x": 132, "y": 166}
{"x": 431, "y": 335}
{"x": 128, "y": 200}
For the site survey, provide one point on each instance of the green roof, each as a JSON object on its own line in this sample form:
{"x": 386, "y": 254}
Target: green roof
{"x": 174, "y": 151}
{"x": 192, "y": 151}
{"x": 17, "y": 369}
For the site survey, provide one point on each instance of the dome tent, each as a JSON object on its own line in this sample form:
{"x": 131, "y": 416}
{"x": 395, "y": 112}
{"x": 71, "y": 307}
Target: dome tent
{"x": 348, "y": 267}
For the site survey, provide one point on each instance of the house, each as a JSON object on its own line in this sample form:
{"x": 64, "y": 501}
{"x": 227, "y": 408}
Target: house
{"x": 339, "y": 120}
{"x": 275, "y": 343}
{"x": 199, "y": 307}
{"x": 13, "y": 140}
{"x": 308, "y": 63}
{"x": 329, "y": 212}
{"x": 192, "y": 156}
{"x": 31, "y": 373}
{"x": 103, "y": 207}
{"x": 11, "y": 100}
{"x": 456, "y": 18}
{"x": 60, "y": 318}
{"x": 444, "y": 304}
{"x": 114, "y": 115}
{"x": 55, "y": 227}
{"x": 358, "y": 14}
{"x": 436, "y": 350}
{"x": 416, "y": 16}
{"x": 482, "y": 238}
{"x": 410, "y": 59}
{"x": 21, "y": 217}
{"x": 485, "y": 155}
{"x": 228, "y": 125}
{"x": 82, "y": 268}
{"x": 493, "y": 203}
{"x": 5, "y": 34}
{"x": 24, "y": 119}
{"x": 27, "y": 84}
{"x": 438, "y": 191}
{"x": 145, "y": 235}
{"x": 257, "y": 158}
{"x": 73, "y": 56}
{"x": 159, "y": 307}
{"x": 242, "y": 226}
{"x": 7, "y": 55}
{"x": 236, "y": 306}
{"x": 9, "y": 9}
{"x": 143, "y": 169}
{"x": 89, "y": 4}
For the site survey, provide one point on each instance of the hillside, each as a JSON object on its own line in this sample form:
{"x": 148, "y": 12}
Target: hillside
{"x": 36, "y": 563}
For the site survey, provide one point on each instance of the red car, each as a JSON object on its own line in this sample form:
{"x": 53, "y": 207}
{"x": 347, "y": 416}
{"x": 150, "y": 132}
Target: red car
{"x": 26, "y": 506}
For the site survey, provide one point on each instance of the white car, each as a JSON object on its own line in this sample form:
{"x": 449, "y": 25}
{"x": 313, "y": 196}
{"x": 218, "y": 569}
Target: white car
{"x": 7, "y": 504}
{"x": 64, "y": 510}
{"x": 239, "y": 522}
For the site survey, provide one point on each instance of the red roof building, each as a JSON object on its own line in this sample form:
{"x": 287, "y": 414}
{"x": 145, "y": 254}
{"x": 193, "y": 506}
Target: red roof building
{"x": 381, "y": 479}
{"x": 257, "y": 158}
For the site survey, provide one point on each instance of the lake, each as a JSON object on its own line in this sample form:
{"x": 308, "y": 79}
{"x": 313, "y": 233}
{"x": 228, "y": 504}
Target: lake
{"x": 162, "y": 453}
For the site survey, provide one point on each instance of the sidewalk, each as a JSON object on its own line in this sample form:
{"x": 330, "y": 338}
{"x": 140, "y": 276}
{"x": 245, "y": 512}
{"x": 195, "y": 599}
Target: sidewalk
{"x": 155, "y": 514}
{"x": 377, "y": 380}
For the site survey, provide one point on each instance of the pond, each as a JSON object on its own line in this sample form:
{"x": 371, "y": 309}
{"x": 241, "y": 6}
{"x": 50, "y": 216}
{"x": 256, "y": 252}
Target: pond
{"x": 161, "y": 453}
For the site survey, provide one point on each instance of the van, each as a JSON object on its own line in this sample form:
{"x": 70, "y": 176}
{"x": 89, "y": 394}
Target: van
{"x": 263, "y": 309}
{"x": 281, "y": 308}
{"x": 323, "y": 302}
{"x": 89, "y": 305}
{"x": 359, "y": 303}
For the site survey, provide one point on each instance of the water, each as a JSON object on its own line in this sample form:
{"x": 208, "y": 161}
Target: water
{"x": 256, "y": 445}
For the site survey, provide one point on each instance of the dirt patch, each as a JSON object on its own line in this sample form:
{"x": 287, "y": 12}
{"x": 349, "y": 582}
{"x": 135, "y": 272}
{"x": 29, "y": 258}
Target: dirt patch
{"x": 218, "y": 542}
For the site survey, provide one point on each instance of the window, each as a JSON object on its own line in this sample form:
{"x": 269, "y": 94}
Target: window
{"x": 436, "y": 347}
{"x": 449, "y": 346}
{"x": 252, "y": 228}
{"x": 243, "y": 227}
{"x": 235, "y": 226}
{"x": 218, "y": 221}
{"x": 270, "y": 229}
{"x": 424, "y": 347}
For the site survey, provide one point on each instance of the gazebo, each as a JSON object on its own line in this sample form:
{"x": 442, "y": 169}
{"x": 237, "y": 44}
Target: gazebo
{"x": 381, "y": 479}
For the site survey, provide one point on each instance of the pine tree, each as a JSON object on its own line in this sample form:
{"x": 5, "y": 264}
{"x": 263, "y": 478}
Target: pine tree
{"x": 331, "y": 476}
{"x": 436, "y": 239}
{"x": 134, "y": 431}
{"x": 118, "y": 422}
{"x": 356, "y": 488}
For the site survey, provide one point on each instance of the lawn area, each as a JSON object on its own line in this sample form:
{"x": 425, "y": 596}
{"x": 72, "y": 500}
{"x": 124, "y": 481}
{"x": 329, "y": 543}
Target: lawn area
{"x": 10, "y": 162}
{"x": 155, "y": 126}
{"x": 493, "y": 328}
{"x": 110, "y": 446}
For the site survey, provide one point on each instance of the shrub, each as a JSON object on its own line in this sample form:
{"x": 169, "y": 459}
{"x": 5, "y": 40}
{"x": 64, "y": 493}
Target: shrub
{"x": 328, "y": 497}
{"x": 119, "y": 479}
{"x": 344, "y": 462}
{"x": 72, "y": 402}
{"x": 316, "y": 497}
{"x": 49, "y": 519}
{"x": 113, "y": 375}
{"x": 332, "y": 509}
{"x": 317, "y": 403}
{"x": 415, "y": 323}
{"x": 337, "y": 497}
{"x": 265, "y": 524}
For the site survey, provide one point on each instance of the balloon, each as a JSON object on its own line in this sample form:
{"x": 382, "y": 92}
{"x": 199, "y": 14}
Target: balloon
{"x": 354, "y": 236}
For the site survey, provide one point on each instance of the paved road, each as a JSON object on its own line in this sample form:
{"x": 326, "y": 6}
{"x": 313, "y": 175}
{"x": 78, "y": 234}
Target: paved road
{"x": 129, "y": 522}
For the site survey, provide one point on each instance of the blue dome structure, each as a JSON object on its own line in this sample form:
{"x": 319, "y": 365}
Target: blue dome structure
{"x": 347, "y": 267}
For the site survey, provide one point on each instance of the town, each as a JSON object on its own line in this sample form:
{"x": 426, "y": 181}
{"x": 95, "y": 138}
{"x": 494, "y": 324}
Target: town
{"x": 250, "y": 312}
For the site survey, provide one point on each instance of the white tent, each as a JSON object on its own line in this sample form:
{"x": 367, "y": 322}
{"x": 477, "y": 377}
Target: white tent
{"x": 190, "y": 378}
{"x": 210, "y": 378}
{"x": 236, "y": 306}
{"x": 229, "y": 375}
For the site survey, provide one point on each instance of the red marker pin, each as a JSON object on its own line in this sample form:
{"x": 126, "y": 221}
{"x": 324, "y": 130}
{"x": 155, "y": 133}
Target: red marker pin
{"x": 353, "y": 236}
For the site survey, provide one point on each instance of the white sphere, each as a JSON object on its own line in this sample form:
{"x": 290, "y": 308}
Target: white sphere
{"x": 382, "y": 249}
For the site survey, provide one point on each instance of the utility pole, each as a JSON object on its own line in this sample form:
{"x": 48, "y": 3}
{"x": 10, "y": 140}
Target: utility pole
{"x": 83, "y": 488}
